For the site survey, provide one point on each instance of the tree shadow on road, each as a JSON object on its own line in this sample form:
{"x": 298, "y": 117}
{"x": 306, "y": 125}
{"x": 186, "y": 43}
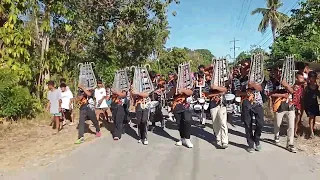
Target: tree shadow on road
{"x": 204, "y": 135}
{"x": 161, "y": 132}
{"x": 271, "y": 141}
{"x": 131, "y": 132}
{"x": 241, "y": 146}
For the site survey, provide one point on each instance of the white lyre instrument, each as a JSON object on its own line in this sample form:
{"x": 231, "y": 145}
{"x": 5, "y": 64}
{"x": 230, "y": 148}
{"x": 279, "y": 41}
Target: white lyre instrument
{"x": 142, "y": 83}
{"x": 184, "y": 77}
{"x": 220, "y": 75}
{"x": 256, "y": 72}
{"x": 288, "y": 75}
{"x": 86, "y": 76}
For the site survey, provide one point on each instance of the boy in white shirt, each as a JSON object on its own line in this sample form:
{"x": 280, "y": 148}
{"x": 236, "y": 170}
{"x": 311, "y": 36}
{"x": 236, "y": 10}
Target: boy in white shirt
{"x": 67, "y": 103}
{"x": 100, "y": 97}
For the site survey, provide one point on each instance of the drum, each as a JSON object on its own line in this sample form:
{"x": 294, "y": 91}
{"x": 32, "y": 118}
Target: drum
{"x": 206, "y": 106}
{"x": 152, "y": 104}
{"x": 229, "y": 97}
{"x": 201, "y": 100}
{"x": 197, "y": 107}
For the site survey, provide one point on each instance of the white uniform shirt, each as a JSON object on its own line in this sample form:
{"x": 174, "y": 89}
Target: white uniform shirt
{"x": 66, "y": 98}
{"x": 99, "y": 93}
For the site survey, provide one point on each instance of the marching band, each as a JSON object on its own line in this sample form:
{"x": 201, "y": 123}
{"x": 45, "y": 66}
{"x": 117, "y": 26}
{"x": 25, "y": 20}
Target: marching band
{"x": 208, "y": 93}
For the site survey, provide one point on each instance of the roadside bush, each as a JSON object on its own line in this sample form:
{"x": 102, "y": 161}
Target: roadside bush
{"x": 16, "y": 101}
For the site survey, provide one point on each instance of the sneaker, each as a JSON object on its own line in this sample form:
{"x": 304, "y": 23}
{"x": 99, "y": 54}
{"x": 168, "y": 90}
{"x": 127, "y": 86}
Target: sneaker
{"x": 224, "y": 146}
{"x": 258, "y": 147}
{"x": 71, "y": 124}
{"x": 98, "y": 134}
{"x": 179, "y": 143}
{"x": 139, "y": 141}
{"x": 145, "y": 142}
{"x": 115, "y": 138}
{"x": 152, "y": 128}
{"x": 276, "y": 139}
{"x": 292, "y": 149}
{"x": 79, "y": 141}
{"x": 188, "y": 143}
{"x": 250, "y": 150}
{"x": 203, "y": 122}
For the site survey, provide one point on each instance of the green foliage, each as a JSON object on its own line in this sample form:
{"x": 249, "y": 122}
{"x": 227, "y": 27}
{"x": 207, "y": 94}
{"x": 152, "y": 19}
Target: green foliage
{"x": 15, "y": 101}
{"x": 301, "y": 36}
{"x": 169, "y": 59}
{"x": 244, "y": 55}
{"x": 16, "y": 39}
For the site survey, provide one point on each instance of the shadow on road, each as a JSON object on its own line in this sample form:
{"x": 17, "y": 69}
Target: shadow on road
{"x": 131, "y": 132}
{"x": 161, "y": 132}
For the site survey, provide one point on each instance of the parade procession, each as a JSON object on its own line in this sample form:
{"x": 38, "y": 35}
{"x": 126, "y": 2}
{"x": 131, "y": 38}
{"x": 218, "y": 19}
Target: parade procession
{"x": 216, "y": 92}
{"x": 160, "y": 89}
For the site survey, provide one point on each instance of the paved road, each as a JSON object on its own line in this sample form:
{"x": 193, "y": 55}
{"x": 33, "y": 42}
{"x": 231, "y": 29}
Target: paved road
{"x": 162, "y": 160}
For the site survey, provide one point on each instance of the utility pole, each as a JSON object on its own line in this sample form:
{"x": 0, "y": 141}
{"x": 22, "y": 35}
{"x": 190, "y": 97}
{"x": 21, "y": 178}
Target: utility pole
{"x": 234, "y": 48}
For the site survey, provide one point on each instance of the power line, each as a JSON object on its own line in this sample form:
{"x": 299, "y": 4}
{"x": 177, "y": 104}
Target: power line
{"x": 243, "y": 2}
{"x": 245, "y": 17}
{"x": 234, "y": 47}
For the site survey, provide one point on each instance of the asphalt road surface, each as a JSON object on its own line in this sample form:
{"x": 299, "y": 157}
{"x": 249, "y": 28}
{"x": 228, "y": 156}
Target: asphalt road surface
{"x": 162, "y": 160}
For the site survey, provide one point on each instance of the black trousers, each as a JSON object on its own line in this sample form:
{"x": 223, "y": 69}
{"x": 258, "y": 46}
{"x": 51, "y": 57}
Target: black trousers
{"x": 118, "y": 115}
{"x": 184, "y": 120}
{"x": 247, "y": 112}
{"x": 87, "y": 113}
{"x": 157, "y": 116}
{"x": 142, "y": 122}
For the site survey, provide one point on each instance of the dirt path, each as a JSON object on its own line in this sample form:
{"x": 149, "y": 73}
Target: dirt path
{"x": 32, "y": 144}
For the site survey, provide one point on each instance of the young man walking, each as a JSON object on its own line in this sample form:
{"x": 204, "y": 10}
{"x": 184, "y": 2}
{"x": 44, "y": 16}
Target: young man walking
{"x": 54, "y": 104}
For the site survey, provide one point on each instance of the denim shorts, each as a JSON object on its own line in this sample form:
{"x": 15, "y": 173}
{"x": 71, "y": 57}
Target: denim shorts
{"x": 56, "y": 114}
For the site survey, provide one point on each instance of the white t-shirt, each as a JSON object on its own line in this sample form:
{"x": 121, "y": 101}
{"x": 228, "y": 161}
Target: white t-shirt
{"x": 65, "y": 98}
{"x": 99, "y": 93}
{"x": 67, "y": 88}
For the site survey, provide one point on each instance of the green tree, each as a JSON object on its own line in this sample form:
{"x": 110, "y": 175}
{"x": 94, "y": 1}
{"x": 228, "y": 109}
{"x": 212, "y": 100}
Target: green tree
{"x": 271, "y": 16}
{"x": 301, "y": 36}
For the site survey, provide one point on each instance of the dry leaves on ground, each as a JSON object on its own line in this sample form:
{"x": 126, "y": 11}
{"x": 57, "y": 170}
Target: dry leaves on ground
{"x": 32, "y": 143}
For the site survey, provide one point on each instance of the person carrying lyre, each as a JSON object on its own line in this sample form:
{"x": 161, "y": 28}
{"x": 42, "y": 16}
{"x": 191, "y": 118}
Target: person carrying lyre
{"x": 156, "y": 114}
{"x": 218, "y": 113}
{"x": 282, "y": 106}
{"x": 182, "y": 114}
{"x": 142, "y": 115}
{"x": 118, "y": 112}
{"x": 87, "y": 111}
{"x": 251, "y": 107}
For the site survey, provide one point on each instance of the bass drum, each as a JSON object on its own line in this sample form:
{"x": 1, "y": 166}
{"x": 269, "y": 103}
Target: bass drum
{"x": 206, "y": 106}
{"x": 229, "y": 97}
{"x": 197, "y": 107}
{"x": 201, "y": 100}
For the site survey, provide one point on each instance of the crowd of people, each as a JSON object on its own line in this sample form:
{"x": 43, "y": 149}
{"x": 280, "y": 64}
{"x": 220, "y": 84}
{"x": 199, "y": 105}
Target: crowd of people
{"x": 107, "y": 104}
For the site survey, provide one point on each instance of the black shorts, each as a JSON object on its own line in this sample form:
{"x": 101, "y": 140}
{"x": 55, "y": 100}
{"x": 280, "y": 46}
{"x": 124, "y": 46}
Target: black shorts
{"x": 313, "y": 111}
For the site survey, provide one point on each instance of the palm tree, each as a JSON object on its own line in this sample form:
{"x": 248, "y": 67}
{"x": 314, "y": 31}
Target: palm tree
{"x": 271, "y": 16}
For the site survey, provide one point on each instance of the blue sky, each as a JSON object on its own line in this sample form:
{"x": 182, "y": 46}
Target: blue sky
{"x": 212, "y": 24}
